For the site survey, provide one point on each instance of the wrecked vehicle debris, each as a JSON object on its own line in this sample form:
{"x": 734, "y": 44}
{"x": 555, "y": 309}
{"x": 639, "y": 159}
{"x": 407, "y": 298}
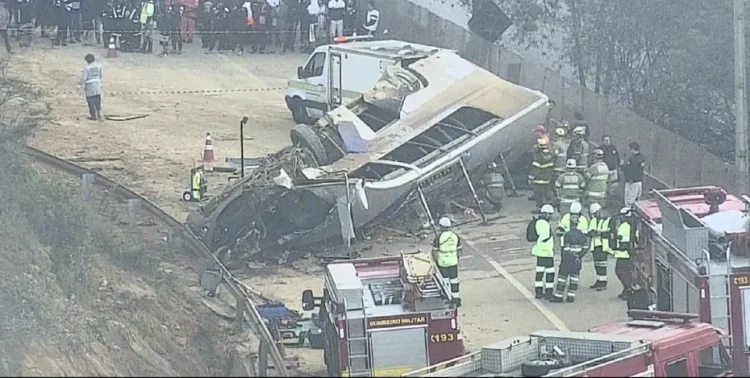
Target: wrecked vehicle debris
{"x": 405, "y": 140}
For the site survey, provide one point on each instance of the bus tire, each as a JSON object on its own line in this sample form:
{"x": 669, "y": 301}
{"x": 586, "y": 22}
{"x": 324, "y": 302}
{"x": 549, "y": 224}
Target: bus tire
{"x": 304, "y": 136}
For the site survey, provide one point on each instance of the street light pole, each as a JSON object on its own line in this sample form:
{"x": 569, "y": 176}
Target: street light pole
{"x": 740, "y": 153}
{"x": 242, "y": 147}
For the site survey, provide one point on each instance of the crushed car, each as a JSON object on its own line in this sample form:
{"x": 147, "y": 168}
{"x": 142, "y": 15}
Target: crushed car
{"x": 422, "y": 130}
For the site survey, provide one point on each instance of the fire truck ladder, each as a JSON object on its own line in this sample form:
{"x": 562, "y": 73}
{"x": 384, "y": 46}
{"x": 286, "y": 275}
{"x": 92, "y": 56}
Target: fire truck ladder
{"x": 718, "y": 283}
{"x": 356, "y": 341}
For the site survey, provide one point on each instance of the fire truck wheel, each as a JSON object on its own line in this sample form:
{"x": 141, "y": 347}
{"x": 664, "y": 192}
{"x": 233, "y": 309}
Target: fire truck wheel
{"x": 304, "y": 136}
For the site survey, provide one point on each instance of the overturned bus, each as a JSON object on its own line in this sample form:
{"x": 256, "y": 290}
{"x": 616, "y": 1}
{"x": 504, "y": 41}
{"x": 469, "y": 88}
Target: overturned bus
{"x": 420, "y": 132}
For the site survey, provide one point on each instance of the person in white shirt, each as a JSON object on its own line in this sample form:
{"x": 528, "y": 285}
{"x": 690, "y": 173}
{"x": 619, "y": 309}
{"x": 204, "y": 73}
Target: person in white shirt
{"x": 372, "y": 20}
{"x": 336, "y": 10}
{"x": 91, "y": 82}
{"x": 313, "y": 9}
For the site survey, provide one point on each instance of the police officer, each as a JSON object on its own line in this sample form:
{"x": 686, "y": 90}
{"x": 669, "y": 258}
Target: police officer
{"x": 446, "y": 249}
{"x": 569, "y": 187}
{"x": 560, "y": 150}
{"x": 600, "y": 235}
{"x": 622, "y": 242}
{"x": 544, "y": 251}
{"x": 579, "y": 148}
{"x": 540, "y": 174}
{"x": 596, "y": 180}
{"x": 572, "y": 219}
{"x": 575, "y": 246}
{"x": 493, "y": 183}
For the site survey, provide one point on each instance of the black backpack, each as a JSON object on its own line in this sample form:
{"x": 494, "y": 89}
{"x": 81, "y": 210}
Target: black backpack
{"x": 531, "y": 235}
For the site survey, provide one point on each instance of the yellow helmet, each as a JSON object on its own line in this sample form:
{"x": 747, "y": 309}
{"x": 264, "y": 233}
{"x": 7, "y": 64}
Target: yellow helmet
{"x": 541, "y": 142}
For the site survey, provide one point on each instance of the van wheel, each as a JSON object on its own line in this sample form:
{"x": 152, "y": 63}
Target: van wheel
{"x": 304, "y": 136}
{"x": 299, "y": 114}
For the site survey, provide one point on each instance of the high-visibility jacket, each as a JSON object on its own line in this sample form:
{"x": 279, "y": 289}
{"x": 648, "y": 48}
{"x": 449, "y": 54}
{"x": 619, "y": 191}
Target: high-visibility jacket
{"x": 197, "y": 180}
{"x": 541, "y": 167}
{"x": 147, "y": 12}
{"x": 448, "y": 244}
{"x": 570, "y": 186}
{"x": 599, "y": 227}
{"x": 560, "y": 150}
{"x": 545, "y": 243}
{"x": 564, "y": 225}
{"x": 596, "y": 177}
{"x": 622, "y": 241}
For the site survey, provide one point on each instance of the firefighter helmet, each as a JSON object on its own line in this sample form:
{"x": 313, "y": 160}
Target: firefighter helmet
{"x": 541, "y": 143}
{"x": 625, "y": 210}
{"x": 560, "y": 131}
{"x": 575, "y": 208}
{"x": 571, "y": 163}
{"x": 595, "y": 207}
{"x": 444, "y": 222}
{"x": 579, "y": 130}
{"x": 599, "y": 154}
{"x": 547, "y": 209}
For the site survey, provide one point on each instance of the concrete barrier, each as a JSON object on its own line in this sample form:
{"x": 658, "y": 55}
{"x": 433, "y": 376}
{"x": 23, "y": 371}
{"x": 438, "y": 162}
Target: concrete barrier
{"x": 671, "y": 160}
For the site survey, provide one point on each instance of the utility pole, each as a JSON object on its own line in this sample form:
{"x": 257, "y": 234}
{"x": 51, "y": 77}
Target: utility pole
{"x": 740, "y": 153}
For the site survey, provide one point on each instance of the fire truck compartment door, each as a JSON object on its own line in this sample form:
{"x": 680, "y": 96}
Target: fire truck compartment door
{"x": 398, "y": 351}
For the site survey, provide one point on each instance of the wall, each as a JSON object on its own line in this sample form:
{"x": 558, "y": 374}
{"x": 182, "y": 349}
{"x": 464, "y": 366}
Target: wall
{"x": 672, "y": 160}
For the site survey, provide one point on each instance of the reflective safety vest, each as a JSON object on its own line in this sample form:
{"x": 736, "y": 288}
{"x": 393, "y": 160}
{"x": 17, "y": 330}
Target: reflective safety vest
{"x": 601, "y": 225}
{"x": 570, "y": 186}
{"x": 545, "y": 243}
{"x": 448, "y": 249}
{"x": 197, "y": 182}
{"x": 564, "y": 224}
{"x": 623, "y": 242}
{"x": 597, "y": 177}
{"x": 560, "y": 149}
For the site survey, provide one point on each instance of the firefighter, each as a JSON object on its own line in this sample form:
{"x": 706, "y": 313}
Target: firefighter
{"x": 544, "y": 251}
{"x": 560, "y": 149}
{"x": 569, "y": 187}
{"x": 446, "y": 250}
{"x": 541, "y": 133}
{"x": 622, "y": 242}
{"x": 596, "y": 180}
{"x": 493, "y": 184}
{"x": 574, "y": 247}
{"x": 579, "y": 148}
{"x": 540, "y": 175}
{"x": 574, "y": 218}
{"x": 599, "y": 234}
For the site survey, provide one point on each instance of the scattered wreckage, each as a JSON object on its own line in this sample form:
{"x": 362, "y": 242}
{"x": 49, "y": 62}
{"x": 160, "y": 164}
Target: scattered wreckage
{"x": 421, "y": 131}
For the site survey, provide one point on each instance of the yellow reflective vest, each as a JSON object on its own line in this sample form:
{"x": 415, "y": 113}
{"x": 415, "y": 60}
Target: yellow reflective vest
{"x": 623, "y": 242}
{"x": 448, "y": 244}
{"x": 545, "y": 243}
{"x": 564, "y": 224}
{"x": 600, "y": 225}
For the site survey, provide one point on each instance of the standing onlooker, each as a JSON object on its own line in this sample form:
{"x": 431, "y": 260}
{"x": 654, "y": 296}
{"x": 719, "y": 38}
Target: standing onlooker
{"x": 175, "y": 27}
{"x": 612, "y": 159}
{"x": 91, "y": 81}
{"x": 308, "y": 24}
{"x": 350, "y": 18}
{"x": 372, "y": 20}
{"x": 293, "y": 22}
{"x": 205, "y": 22}
{"x": 336, "y": 11}
{"x": 237, "y": 27}
{"x": 75, "y": 20}
{"x": 286, "y": 22}
{"x": 261, "y": 14}
{"x": 164, "y": 24}
{"x": 633, "y": 172}
{"x": 26, "y": 22}
{"x": 189, "y": 15}
{"x": 4, "y": 21}
{"x": 322, "y": 25}
{"x": 147, "y": 19}
{"x": 92, "y": 21}
{"x": 274, "y": 37}
{"x": 61, "y": 20}
{"x": 15, "y": 18}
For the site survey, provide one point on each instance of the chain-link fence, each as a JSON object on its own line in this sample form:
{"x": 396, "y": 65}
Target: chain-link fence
{"x": 671, "y": 160}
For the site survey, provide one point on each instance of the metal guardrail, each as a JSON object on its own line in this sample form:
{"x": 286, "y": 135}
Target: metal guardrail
{"x": 244, "y": 302}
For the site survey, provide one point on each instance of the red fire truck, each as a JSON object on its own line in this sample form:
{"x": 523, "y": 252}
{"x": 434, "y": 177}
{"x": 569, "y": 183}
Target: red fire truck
{"x": 653, "y": 344}
{"x": 385, "y": 316}
{"x": 693, "y": 255}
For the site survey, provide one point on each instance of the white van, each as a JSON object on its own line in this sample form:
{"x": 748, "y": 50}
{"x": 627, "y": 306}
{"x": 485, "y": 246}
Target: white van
{"x": 336, "y": 74}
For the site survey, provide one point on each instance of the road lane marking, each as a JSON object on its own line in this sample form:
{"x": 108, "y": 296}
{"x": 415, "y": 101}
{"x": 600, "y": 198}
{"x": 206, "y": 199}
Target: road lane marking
{"x": 556, "y": 321}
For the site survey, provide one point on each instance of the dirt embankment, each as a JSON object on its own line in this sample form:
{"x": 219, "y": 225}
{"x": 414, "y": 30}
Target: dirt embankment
{"x": 80, "y": 295}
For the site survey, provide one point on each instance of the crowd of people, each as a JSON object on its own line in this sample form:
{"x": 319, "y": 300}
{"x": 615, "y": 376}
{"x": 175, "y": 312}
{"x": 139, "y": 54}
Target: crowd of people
{"x": 226, "y": 26}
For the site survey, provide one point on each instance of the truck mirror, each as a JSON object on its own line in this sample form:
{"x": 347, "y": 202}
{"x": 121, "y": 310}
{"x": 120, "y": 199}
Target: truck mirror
{"x": 300, "y": 72}
{"x": 308, "y": 301}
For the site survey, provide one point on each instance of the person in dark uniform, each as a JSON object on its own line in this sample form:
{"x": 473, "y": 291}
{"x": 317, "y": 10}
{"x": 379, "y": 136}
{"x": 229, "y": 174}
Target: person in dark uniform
{"x": 237, "y": 26}
{"x": 26, "y": 22}
{"x": 131, "y": 28}
{"x": 220, "y": 29}
{"x": 60, "y": 15}
{"x": 205, "y": 23}
{"x": 175, "y": 27}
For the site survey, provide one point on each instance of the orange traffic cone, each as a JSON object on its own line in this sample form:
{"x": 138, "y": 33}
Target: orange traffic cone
{"x": 111, "y": 49}
{"x": 208, "y": 150}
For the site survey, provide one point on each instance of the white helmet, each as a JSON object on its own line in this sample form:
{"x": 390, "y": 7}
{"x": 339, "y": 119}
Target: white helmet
{"x": 625, "y": 210}
{"x": 547, "y": 209}
{"x": 595, "y": 207}
{"x": 571, "y": 163}
{"x": 575, "y": 208}
{"x": 444, "y": 222}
